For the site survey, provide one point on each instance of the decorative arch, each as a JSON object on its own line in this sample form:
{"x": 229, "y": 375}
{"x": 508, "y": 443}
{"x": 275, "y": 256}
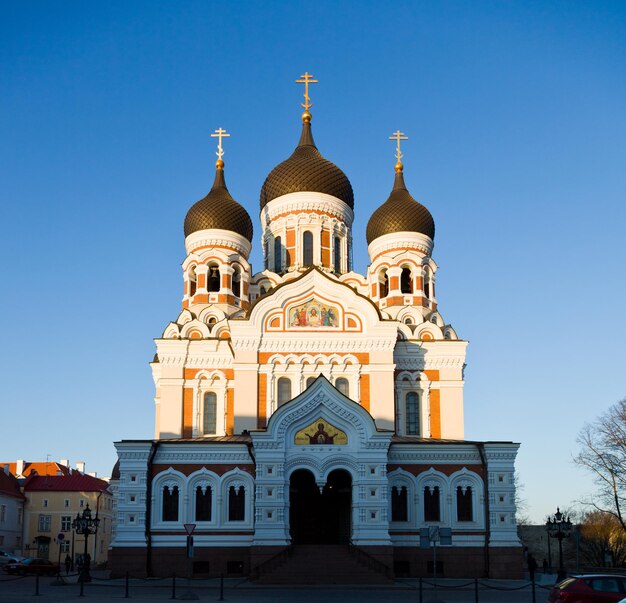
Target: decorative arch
{"x": 234, "y": 481}
{"x": 170, "y": 480}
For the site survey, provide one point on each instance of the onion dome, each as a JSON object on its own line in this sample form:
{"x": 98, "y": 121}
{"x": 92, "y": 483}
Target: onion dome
{"x": 307, "y": 170}
{"x": 115, "y": 472}
{"x": 218, "y": 210}
{"x": 400, "y": 213}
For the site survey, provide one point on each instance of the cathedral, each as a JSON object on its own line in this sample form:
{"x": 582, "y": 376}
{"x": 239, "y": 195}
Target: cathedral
{"x": 307, "y": 407}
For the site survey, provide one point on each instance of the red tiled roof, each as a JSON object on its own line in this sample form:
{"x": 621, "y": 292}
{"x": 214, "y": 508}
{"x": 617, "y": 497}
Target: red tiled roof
{"x": 49, "y": 468}
{"x": 9, "y": 486}
{"x": 75, "y": 482}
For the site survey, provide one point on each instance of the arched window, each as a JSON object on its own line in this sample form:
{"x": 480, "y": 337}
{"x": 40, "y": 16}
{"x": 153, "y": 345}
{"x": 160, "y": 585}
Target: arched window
{"x": 310, "y": 381}
{"x": 284, "y": 390}
{"x": 209, "y": 420}
{"x": 214, "y": 278}
{"x": 343, "y": 386}
{"x": 237, "y": 283}
{"x": 278, "y": 255}
{"x": 412, "y": 414}
{"x": 262, "y": 291}
{"x": 431, "y": 504}
{"x": 406, "y": 283}
{"x": 399, "y": 504}
{"x": 236, "y": 504}
{"x": 204, "y": 503}
{"x": 170, "y": 504}
{"x": 337, "y": 255}
{"x": 212, "y": 320}
{"x": 464, "y": 505}
{"x": 383, "y": 284}
{"x": 193, "y": 282}
{"x": 307, "y": 248}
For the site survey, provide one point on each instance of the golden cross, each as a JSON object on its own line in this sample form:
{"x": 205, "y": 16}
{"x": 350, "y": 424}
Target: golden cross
{"x": 219, "y": 134}
{"x": 306, "y": 79}
{"x": 398, "y": 136}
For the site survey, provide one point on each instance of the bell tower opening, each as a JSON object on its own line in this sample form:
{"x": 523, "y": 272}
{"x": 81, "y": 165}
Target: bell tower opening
{"x": 320, "y": 517}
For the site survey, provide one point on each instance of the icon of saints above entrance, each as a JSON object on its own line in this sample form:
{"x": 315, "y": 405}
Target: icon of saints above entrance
{"x": 314, "y": 314}
{"x": 320, "y": 432}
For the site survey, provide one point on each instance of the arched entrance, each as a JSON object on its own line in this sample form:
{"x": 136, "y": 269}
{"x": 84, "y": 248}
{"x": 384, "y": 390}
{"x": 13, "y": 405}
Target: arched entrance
{"x": 320, "y": 517}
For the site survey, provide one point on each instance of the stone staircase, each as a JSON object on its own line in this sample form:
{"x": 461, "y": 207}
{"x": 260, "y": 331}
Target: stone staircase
{"x": 324, "y": 564}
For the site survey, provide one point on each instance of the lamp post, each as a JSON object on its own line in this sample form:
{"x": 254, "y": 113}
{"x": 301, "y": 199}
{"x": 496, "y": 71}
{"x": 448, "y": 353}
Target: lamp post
{"x": 559, "y": 527}
{"x": 85, "y": 524}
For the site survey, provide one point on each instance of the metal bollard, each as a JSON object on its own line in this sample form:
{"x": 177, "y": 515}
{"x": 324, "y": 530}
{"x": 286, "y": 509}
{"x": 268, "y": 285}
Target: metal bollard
{"x": 82, "y": 588}
{"x": 36, "y": 585}
{"x": 221, "y": 587}
{"x": 534, "y": 594}
{"x": 475, "y": 590}
{"x": 126, "y": 595}
{"x": 173, "y": 587}
{"x": 421, "y": 593}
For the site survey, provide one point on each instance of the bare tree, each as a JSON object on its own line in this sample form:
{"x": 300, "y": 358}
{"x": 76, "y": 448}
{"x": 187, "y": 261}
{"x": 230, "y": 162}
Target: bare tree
{"x": 603, "y": 453}
{"x": 602, "y": 534}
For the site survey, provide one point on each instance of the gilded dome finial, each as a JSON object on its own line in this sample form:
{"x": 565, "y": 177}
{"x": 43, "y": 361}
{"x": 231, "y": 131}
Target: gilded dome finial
{"x": 398, "y": 136}
{"x": 306, "y": 79}
{"x": 219, "y": 134}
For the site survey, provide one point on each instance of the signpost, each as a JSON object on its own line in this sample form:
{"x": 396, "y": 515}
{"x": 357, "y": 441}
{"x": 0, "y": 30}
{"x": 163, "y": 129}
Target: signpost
{"x": 431, "y": 536}
{"x": 60, "y": 539}
{"x": 189, "y": 595}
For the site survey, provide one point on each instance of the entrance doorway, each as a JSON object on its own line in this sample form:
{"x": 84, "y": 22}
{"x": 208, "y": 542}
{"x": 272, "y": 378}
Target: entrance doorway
{"x": 320, "y": 517}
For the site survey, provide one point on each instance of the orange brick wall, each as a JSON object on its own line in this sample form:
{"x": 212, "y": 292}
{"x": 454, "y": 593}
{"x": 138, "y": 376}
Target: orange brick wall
{"x": 230, "y": 411}
{"x": 187, "y": 412}
{"x": 435, "y": 413}
{"x": 262, "y": 402}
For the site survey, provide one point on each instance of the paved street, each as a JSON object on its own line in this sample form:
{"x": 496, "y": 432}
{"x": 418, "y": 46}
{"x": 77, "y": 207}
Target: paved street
{"x": 494, "y": 591}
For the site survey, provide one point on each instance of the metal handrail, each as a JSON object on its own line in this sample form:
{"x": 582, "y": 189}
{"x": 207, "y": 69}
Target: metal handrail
{"x": 271, "y": 563}
{"x": 371, "y": 562}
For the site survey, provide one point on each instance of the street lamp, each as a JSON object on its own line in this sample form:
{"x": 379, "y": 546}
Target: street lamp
{"x": 559, "y": 527}
{"x": 85, "y": 524}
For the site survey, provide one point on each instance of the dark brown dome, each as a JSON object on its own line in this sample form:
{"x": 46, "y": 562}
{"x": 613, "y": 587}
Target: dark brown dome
{"x": 218, "y": 210}
{"x": 400, "y": 213}
{"x": 115, "y": 472}
{"x": 307, "y": 170}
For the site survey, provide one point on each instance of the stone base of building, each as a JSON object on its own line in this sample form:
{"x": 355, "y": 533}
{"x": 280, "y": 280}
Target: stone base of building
{"x": 470, "y": 562}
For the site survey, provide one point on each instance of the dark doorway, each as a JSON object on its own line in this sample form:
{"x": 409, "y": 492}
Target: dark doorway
{"x": 320, "y": 517}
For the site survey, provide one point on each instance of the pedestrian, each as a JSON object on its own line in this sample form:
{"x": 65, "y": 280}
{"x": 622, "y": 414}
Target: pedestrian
{"x": 68, "y": 564}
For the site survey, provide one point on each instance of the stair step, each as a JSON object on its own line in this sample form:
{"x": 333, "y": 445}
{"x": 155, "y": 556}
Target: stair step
{"x": 330, "y": 564}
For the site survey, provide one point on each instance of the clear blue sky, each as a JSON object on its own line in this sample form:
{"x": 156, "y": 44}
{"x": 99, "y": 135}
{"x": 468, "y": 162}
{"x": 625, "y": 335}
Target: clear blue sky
{"x": 516, "y": 118}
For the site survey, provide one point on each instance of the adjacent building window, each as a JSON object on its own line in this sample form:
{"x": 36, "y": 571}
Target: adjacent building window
{"x": 431, "y": 504}
{"x": 343, "y": 386}
{"x": 278, "y": 255}
{"x": 170, "y": 503}
{"x": 337, "y": 255}
{"x": 399, "y": 504}
{"x": 284, "y": 390}
{"x": 204, "y": 499}
{"x": 412, "y": 414}
{"x": 464, "y": 505}
{"x": 213, "y": 284}
{"x": 44, "y": 523}
{"x": 236, "y": 503}
{"x": 45, "y": 502}
{"x": 406, "y": 284}
{"x": 64, "y": 546}
{"x": 307, "y": 248}
{"x": 66, "y": 503}
{"x": 209, "y": 416}
{"x": 66, "y": 523}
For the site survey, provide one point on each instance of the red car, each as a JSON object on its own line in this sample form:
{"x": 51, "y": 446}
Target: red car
{"x": 32, "y": 565}
{"x": 592, "y": 588}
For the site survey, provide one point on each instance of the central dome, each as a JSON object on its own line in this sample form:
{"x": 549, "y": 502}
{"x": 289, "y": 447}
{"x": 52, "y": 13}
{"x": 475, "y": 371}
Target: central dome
{"x": 307, "y": 171}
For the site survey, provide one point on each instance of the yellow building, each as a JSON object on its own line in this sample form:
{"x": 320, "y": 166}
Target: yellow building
{"x": 52, "y": 503}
